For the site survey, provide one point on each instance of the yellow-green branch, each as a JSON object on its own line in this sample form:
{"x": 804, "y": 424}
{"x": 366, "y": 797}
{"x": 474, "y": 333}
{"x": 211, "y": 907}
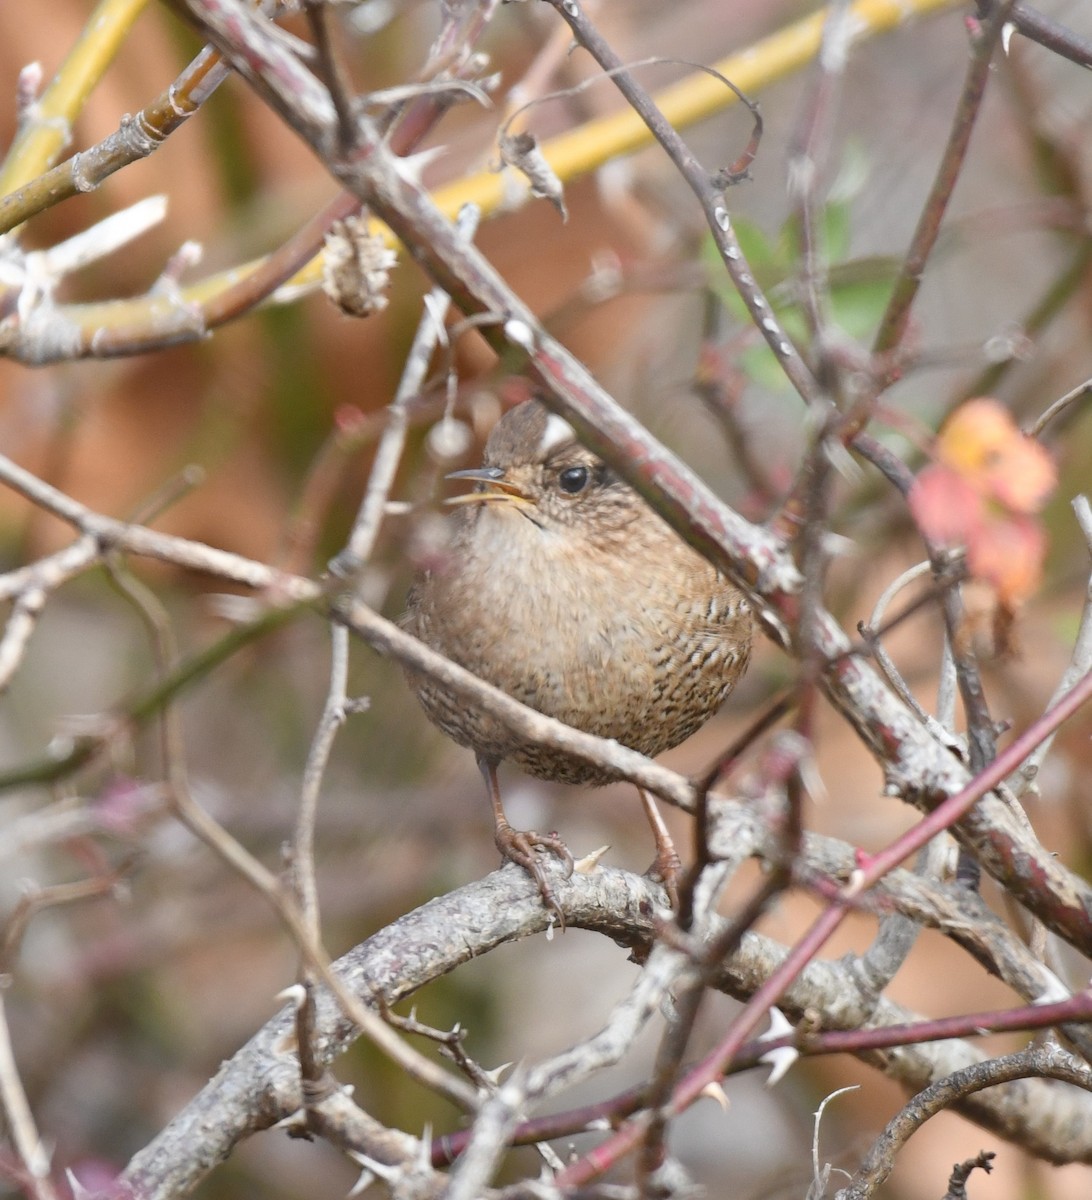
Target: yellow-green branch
{"x": 47, "y": 132}
{"x": 571, "y": 154}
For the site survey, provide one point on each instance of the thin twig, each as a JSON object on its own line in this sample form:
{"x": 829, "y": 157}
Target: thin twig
{"x": 31, "y": 1153}
{"x": 1059, "y": 406}
{"x": 21, "y": 623}
{"x": 811, "y": 144}
{"x": 1080, "y": 661}
{"x": 388, "y": 454}
{"x": 709, "y": 189}
{"x": 897, "y": 315}
{"x": 304, "y": 882}
{"x": 136, "y": 138}
{"x": 1038, "y": 1062}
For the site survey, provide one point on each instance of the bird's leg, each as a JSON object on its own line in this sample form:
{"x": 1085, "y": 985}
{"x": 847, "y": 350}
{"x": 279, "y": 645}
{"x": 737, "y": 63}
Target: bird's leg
{"x": 520, "y": 846}
{"x": 666, "y": 866}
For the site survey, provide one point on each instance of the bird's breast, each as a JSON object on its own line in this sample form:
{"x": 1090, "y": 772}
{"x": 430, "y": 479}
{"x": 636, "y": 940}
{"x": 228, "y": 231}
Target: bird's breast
{"x": 640, "y": 646}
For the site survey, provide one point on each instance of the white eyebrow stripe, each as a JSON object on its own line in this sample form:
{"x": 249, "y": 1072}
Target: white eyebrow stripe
{"x": 558, "y": 431}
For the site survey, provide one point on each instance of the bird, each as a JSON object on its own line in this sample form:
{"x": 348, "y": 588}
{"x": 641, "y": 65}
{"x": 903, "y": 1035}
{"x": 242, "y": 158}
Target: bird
{"x": 563, "y": 588}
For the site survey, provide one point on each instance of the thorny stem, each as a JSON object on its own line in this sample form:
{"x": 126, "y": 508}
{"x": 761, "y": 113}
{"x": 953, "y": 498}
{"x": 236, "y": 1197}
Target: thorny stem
{"x": 981, "y": 734}
{"x": 872, "y": 870}
{"x": 690, "y": 994}
{"x": 552, "y": 1126}
{"x": 1038, "y": 27}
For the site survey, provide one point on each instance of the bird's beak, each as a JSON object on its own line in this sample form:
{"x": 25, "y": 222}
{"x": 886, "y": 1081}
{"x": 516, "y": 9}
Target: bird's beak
{"x": 494, "y": 488}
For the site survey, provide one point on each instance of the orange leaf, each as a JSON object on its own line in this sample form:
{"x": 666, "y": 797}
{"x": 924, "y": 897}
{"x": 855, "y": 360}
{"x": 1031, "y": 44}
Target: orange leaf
{"x": 983, "y": 444}
{"x": 945, "y": 506}
{"x": 1008, "y": 552}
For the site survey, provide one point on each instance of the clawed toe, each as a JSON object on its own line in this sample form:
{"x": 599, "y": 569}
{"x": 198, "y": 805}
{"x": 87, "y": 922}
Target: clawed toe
{"x": 525, "y": 847}
{"x": 666, "y": 869}
{"x": 666, "y": 866}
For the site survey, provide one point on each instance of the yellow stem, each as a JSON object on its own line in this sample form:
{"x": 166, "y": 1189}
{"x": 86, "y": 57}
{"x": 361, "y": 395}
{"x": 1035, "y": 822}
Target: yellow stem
{"x": 44, "y": 136}
{"x": 692, "y": 99}
{"x": 577, "y": 152}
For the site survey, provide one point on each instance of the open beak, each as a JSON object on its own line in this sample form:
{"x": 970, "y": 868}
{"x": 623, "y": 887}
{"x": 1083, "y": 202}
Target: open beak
{"x": 493, "y": 489}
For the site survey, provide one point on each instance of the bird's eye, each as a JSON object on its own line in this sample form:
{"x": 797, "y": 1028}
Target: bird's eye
{"x": 573, "y": 480}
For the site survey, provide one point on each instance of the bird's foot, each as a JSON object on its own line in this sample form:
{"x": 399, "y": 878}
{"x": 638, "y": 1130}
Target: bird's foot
{"x": 525, "y": 847}
{"x": 667, "y": 869}
{"x": 666, "y": 866}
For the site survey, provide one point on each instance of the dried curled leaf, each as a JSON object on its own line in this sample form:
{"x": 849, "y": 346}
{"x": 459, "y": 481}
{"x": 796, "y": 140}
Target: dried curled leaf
{"x": 356, "y": 267}
{"x": 520, "y": 151}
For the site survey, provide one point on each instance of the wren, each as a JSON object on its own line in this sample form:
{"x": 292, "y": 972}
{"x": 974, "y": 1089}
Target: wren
{"x": 562, "y": 587}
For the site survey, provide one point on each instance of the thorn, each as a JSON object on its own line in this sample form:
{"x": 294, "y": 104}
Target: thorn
{"x": 855, "y": 885}
{"x": 495, "y": 1074}
{"x": 424, "y": 1153}
{"x": 364, "y": 1181}
{"x": 411, "y": 166}
{"x": 79, "y": 1192}
{"x": 587, "y": 864}
{"x": 779, "y": 1026}
{"x": 781, "y": 1059}
{"x": 296, "y": 993}
{"x": 1054, "y": 993}
{"x": 294, "y": 1120}
{"x": 779, "y": 1062}
{"x": 372, "y": 1167}
{"x": 520, "y": 334}
{"x": 716, "y": 1092}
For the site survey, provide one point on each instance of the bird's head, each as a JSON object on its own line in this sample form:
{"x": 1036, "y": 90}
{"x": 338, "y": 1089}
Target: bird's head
{"x": 536, "y": 468}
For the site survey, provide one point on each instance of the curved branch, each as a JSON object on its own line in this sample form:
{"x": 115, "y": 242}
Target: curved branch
{"x": 1046, "y": 1062}
{"x": 260, "y": 1085}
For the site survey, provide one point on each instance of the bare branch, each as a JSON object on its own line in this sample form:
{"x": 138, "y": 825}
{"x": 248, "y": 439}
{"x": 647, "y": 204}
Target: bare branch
{"x": 1040, "y": 1063}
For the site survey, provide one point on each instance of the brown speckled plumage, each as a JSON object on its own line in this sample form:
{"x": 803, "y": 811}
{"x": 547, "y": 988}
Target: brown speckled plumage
{"x": 582, "y": 603}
